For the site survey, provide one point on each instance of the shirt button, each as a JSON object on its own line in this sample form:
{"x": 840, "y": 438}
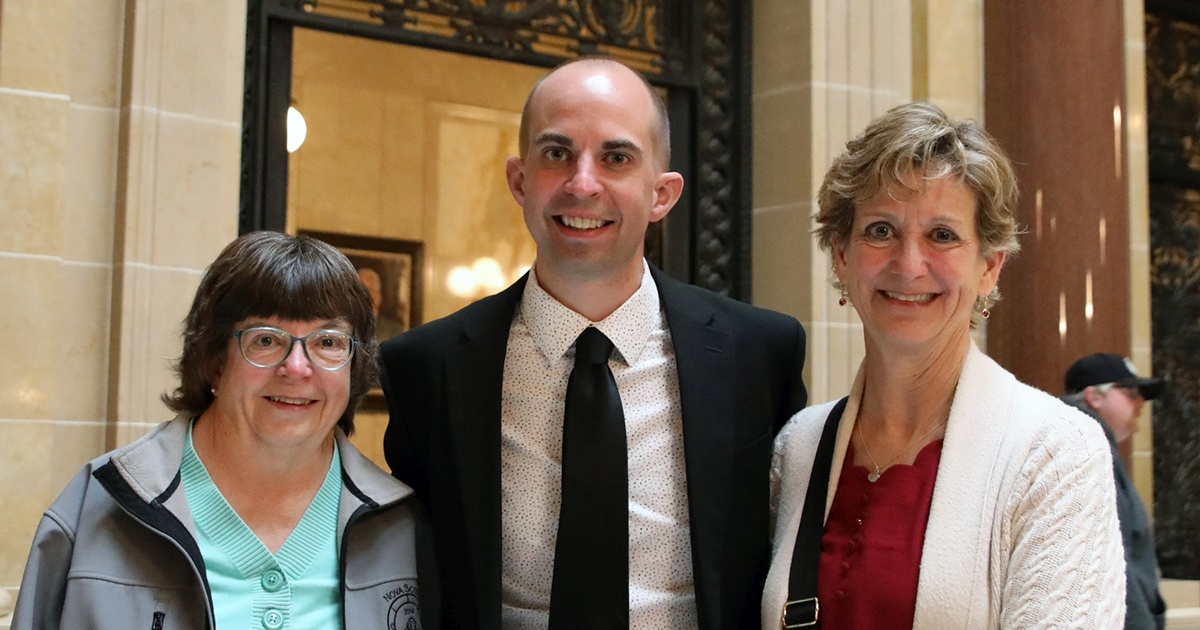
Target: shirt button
{"x": 272, "y": 581}
{"x": 272, "y": 619}
{"x": 845, "y": 566}
{"x": 839, "y": 594}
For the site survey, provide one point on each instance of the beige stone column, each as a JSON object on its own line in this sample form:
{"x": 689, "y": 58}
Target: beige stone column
{"x": 178, "y": 162}
{"x": 1138, "y": 181}
{"x": 119, "y": 161}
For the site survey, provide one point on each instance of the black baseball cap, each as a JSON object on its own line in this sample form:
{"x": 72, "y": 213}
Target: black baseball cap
{"x": 1100, "y": 368}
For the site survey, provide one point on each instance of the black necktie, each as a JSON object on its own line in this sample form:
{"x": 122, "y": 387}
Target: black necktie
{"x": 591, "y": 559}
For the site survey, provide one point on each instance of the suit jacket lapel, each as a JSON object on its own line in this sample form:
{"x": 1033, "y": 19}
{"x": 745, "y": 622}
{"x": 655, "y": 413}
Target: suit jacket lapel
{"x": 475, "y": 374}
{"x": 704, "y": 356}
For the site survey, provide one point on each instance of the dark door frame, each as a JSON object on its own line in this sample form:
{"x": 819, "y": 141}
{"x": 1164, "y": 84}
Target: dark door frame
{"x": 703, "y": 57}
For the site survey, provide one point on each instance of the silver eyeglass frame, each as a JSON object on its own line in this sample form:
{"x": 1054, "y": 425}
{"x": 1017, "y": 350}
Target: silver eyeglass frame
{"x": 292, "y": 343}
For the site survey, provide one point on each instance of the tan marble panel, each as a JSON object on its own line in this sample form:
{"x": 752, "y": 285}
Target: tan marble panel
{"x": 89, "y": 209}
{"x": 95, "y": 52}
{"x": 782, "y": 147}
{"x": 33, "y": 148}
{"x": 35, "y": 44}
{"x": 1143, "y": 469}
{"x": 202, "y": 49}
{"x": 843, "y": 352}
{"x": 891, "y": 54}
{"x": 146, "y": 339}
{"x": 39, "y": 458}
{"x": 403, "y": 184}
{"x": 781, "y": 254}
{"x": 955, "y": 56}
{"x": 337, "y": 189}
{"x": 861, "y": 48}
{"x": 29, "y": 372}
{"x": 833, "y": 103}
{"x": 136, "y": 178}
{"x": 80, "y": 382}
{"x": 63, "y": 307}
{"x": 1181, "y": 593}
{"x": 833, "y": 59}
{"x": 195, "y": 190}
{"x": 782, "y": 41}
{"x": 820, "y": 278}
{"x": 171, "y": 296}
{"x": 143, "y": 48}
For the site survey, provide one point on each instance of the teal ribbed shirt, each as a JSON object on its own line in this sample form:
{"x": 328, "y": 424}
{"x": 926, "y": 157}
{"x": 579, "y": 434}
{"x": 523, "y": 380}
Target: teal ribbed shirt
{"x": 297, "y": 587}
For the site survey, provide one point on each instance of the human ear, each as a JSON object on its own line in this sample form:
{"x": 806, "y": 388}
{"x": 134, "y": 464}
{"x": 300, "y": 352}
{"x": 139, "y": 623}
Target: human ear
{"x": 514, "y": 173}
{"x": 667, "y": 190}
{"x": 991, "y": 272}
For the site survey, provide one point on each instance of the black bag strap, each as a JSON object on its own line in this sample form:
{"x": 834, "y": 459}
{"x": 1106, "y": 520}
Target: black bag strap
{"x": 802, "y": 609}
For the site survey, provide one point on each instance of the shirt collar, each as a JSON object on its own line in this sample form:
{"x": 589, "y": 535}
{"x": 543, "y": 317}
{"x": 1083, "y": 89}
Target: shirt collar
{"x": 554, "y": 327}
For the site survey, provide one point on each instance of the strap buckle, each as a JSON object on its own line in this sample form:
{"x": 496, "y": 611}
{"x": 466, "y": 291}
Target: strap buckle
{"x": 801, "y": 613}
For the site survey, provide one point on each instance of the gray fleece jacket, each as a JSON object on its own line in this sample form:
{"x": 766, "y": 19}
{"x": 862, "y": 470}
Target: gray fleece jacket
{"x": 117, "y": 549}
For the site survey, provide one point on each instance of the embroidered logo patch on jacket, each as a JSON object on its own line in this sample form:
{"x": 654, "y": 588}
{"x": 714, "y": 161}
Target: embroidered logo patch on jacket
{"x": 403, "y": 612}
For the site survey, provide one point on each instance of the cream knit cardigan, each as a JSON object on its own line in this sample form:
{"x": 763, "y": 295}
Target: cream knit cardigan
{"x": 1023, "y": 527}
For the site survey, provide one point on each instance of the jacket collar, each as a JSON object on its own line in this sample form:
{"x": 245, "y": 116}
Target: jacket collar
{"x": 364, "y": 485}
{"x": 150, "y": 466}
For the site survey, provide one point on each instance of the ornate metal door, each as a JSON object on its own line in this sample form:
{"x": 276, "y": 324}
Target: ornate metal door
{"x": 1173, "y": 129}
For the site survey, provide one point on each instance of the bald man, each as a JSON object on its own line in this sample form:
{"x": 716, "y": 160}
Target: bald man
{"x": 476, "y": 400}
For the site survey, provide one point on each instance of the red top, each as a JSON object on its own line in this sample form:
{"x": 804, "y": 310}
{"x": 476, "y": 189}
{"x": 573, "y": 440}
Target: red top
{"x": 871, "y": 549}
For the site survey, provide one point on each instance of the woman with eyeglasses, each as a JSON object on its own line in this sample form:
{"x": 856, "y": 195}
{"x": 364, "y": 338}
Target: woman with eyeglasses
{"x": 250, "y": 509}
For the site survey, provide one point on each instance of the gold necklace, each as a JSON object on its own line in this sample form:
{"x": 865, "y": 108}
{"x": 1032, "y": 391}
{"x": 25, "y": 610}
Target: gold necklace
{"x": 873, "y": 476}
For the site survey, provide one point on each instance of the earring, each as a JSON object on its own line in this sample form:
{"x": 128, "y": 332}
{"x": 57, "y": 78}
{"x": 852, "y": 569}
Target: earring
{"x": 983, "y": 304}
{"x": 843, "y": 300}
{"x": 213, "y": 390}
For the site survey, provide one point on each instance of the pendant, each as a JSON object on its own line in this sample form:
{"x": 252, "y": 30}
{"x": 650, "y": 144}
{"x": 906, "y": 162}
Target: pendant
{"x": 873, "y": 476}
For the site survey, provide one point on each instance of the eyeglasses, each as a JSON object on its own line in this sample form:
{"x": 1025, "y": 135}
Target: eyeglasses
{"x": 267, "y": 347}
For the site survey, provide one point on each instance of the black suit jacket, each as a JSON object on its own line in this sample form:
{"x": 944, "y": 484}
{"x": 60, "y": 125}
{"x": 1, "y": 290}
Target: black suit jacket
{"x": 739, "y": 379}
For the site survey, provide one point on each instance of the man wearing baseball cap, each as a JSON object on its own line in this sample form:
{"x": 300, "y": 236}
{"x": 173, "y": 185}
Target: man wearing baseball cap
{"x": 1106, "y": 387}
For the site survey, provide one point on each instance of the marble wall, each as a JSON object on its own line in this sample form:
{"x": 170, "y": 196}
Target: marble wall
{"x": 119, "y": 159}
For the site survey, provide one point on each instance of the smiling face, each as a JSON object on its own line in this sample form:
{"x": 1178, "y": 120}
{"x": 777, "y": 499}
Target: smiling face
{"x": 293, "y": 404}
{"x": 912, "y": 265}
{"x": 591, "y": 179}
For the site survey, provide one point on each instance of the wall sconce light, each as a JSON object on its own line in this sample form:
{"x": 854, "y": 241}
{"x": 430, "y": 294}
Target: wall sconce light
{"x": 297, "y": 129}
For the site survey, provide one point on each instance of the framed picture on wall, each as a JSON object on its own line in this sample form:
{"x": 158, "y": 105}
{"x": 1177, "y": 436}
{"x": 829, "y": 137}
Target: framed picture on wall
{"x": 392, "y": 270}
